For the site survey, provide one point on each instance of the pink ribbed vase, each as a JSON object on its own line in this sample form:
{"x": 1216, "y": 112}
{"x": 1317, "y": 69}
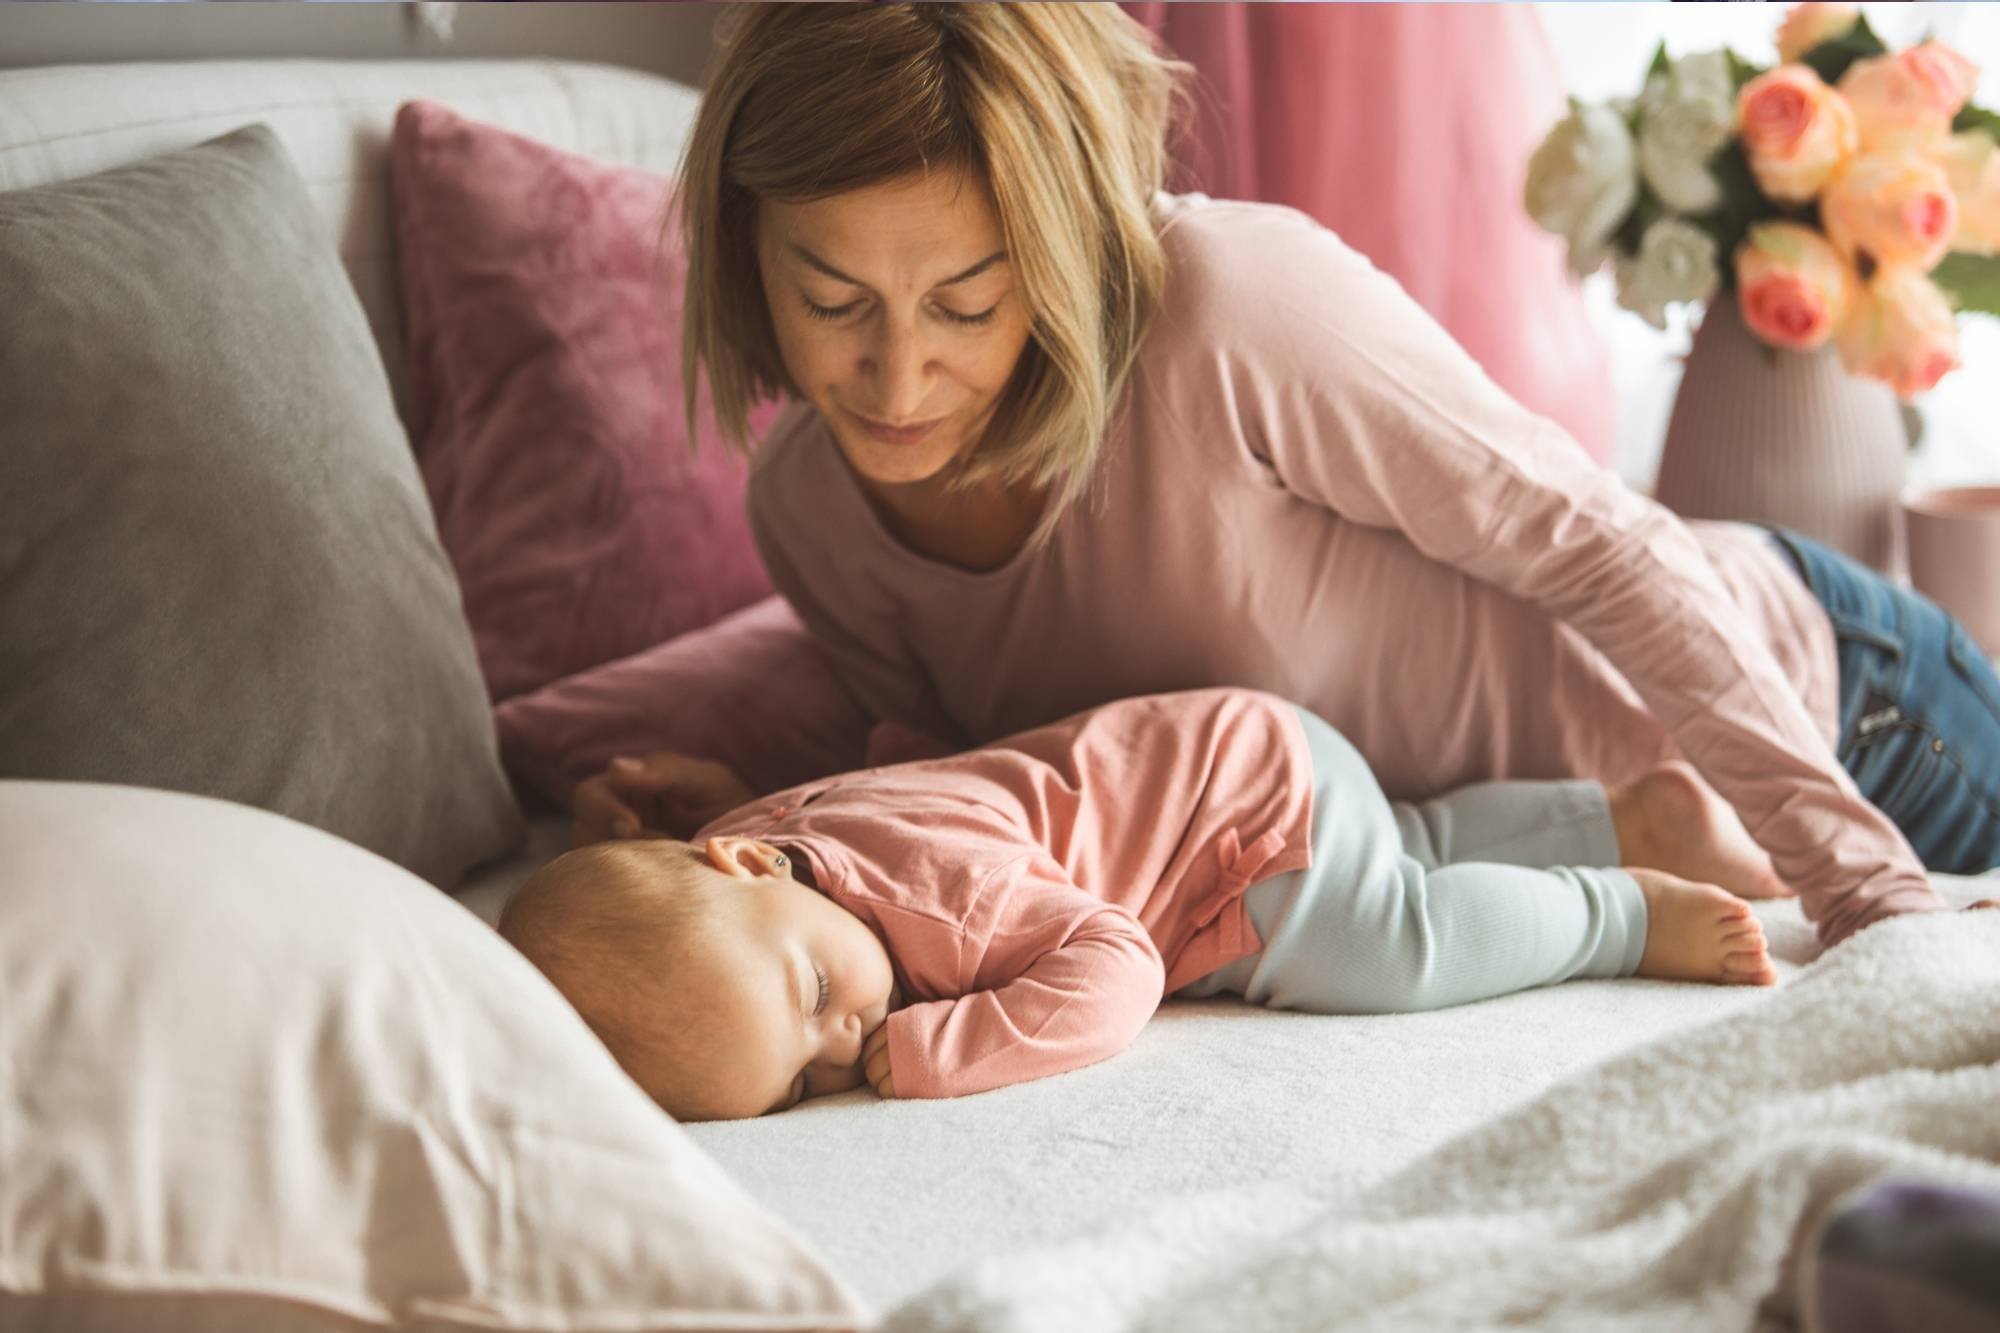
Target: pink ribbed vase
{"x": 1791, "y": 438}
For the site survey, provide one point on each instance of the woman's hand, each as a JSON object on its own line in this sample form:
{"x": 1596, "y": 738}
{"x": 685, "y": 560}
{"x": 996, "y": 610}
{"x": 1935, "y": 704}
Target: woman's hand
{"x": 875, "y": 1063}
{"x": 662, "y": 794}
{"x": 1983, "y": 902}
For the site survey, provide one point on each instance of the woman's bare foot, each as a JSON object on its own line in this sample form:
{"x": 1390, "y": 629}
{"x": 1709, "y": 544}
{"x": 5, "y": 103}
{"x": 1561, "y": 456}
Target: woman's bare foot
{"x": 1700, "y": 932}
{"x": 1669, "y": 819}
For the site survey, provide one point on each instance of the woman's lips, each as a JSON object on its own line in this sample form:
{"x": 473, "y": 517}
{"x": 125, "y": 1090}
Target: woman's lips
{"x": 896, "y": 434}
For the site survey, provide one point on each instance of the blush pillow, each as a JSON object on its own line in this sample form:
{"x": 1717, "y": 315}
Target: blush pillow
{"x": 750, "y": 690}
{"x": 254, "y": 1079}
{"x": 543, "y": 296}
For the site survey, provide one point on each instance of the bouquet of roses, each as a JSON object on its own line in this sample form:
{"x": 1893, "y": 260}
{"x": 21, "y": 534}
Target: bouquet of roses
{"x": 1850, "y": 194}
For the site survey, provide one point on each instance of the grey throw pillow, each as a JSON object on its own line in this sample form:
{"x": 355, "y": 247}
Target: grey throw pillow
{"x": 218, "y": 569}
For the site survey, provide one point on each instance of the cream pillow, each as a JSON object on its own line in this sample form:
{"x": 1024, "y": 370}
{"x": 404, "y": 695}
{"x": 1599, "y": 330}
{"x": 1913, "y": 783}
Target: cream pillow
{"x": 254, "y": 1077}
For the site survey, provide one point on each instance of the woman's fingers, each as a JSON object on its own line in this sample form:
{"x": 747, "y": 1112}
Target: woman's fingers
{"x": 662, "y": 792}
{"x": 601, "y": 814}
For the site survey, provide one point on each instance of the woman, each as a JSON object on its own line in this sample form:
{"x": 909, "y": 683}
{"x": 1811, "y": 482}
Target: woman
{"x": 1058, "y": 438}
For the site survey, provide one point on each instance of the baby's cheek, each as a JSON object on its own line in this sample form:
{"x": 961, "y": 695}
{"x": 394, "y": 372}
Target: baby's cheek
{"x": 822, "y": 1082}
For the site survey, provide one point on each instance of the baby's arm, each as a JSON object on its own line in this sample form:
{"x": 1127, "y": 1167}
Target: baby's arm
{"x": 1095, "y": 980}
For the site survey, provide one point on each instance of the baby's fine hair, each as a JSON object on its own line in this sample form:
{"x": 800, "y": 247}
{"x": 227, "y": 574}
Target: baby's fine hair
{"x": 609, "y": 925}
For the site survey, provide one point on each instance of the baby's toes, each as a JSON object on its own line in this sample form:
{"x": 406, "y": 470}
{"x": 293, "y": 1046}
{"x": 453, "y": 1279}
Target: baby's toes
{"x": 1747, "y": 959}
{"x": 1733, "y": 915}
{"x": 1743, "y": 974}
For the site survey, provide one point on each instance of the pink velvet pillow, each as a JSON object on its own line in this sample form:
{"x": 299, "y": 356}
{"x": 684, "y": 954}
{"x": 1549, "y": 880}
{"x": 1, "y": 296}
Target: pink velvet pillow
{"x": 750, "y": 690}
{"x": 543, "y": 298}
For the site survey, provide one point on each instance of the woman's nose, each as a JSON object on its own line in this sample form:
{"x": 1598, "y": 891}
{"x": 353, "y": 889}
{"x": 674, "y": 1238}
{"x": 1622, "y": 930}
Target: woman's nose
{"x": 899, "y": 373}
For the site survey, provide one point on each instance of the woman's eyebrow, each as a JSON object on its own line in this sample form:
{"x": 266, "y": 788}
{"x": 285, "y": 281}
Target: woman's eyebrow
{"x": 998, "y": 256}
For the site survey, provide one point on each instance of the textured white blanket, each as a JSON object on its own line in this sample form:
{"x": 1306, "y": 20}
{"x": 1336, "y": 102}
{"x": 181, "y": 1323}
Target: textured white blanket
{"x": 1663, "y": 1189}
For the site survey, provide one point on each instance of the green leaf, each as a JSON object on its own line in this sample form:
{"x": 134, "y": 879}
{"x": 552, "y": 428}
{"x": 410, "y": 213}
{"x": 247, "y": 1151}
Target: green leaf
{"x": 1741, "y": 71}
{"x": 1743, "y": 205}
{"x": 1661, "y": 64}
{"x": 1830, "y": 59}
{"x": 1977, "y": 118}
{"x": 1972, "y": 281}
{"x": 1644, "y": 214}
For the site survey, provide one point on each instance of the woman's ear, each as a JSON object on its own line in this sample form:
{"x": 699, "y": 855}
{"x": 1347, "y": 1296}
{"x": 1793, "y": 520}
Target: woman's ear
{"x": 745, "y": 858}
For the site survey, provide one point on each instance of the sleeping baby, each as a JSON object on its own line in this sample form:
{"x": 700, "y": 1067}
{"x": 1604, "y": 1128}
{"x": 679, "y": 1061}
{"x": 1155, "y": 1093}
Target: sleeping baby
{"x": 951, "y": 925}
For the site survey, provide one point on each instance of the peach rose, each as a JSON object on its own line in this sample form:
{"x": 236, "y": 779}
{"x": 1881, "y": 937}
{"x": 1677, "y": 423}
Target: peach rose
{"x": 1901, "y": 330}
{"x": 1807, "y": 25}
{"x": 1792, "y": 287}
{"x": 1972, "y": 164}
{"x": 1795, "y": 131}
{"x": 1897, "y": 208}
{"x": 1907, "y": 100}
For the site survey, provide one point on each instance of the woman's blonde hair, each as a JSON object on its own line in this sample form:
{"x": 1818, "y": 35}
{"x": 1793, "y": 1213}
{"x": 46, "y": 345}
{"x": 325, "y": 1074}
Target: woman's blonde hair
{"x": 1061, "y": 109}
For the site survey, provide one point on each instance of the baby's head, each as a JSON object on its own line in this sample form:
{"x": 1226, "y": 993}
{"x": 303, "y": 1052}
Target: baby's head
{"x": 724, "y": 986}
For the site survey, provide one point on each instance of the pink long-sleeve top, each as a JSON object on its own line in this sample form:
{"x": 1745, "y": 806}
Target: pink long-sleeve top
{"x": 1312, "y": 490}
{"x": 1040, "y": 897}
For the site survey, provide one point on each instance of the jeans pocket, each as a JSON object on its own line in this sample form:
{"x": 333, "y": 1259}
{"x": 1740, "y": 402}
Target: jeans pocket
{"x": 1910, "y": 769}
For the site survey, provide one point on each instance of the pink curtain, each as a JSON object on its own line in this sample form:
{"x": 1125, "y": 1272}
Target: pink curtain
{"x": 1406, "y": 128}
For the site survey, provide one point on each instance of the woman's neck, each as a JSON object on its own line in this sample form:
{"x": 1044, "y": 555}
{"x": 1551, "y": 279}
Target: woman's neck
{"x": 979, "y": 529}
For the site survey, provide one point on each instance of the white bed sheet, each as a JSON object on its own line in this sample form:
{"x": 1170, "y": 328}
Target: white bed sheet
{"x": 1213, "y": 1094}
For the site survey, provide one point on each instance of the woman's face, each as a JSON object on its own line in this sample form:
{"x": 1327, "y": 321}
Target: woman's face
{"x": 899, "y": 317}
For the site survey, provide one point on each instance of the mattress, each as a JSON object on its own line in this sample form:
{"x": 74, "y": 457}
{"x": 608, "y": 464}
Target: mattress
{"x": 1214, "y": 1094}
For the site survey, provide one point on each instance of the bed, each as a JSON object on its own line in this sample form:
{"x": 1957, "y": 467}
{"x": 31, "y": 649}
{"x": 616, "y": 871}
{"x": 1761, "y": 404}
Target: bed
{"x": 1453, "y": 1169}
{"x": 1216, "y": 1102}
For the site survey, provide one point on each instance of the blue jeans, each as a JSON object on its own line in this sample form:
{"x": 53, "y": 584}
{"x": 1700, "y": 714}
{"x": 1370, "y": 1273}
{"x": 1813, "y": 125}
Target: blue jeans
{"x": 1919, "y": 709}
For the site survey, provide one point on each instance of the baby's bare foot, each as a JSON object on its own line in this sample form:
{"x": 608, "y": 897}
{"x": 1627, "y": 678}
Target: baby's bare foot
{"x": 1699, "y": 932}
{"x": 1669, "y": 819}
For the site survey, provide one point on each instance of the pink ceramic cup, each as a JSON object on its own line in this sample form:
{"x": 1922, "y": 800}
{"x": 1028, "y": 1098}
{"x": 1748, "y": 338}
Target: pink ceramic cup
{"x": 1954, "y": 544}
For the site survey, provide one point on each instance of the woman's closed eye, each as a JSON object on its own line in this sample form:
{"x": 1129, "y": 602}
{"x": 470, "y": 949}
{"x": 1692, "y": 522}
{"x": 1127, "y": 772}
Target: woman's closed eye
{"x": 832, "y": 312}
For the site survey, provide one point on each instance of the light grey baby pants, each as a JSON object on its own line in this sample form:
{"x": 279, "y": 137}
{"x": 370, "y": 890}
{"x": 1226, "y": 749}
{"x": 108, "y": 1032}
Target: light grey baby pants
{"x": 1490, "y": 889}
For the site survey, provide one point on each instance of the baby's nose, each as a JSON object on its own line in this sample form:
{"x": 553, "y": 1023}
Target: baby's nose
{"x": 850, "y": 1037}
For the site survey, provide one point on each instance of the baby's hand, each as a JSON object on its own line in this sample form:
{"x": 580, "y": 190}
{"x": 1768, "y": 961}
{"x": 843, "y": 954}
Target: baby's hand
{"x": 875, "y": 1062}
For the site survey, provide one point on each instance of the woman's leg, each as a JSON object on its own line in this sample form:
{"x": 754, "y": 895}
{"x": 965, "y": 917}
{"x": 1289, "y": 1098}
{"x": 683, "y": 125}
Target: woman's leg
{"x": 1919, "y": 709}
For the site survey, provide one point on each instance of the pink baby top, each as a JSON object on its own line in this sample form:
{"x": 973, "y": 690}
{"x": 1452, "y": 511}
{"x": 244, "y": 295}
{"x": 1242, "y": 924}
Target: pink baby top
{"x": 1312, "y": 490}
{"x": 1039, "y": 898}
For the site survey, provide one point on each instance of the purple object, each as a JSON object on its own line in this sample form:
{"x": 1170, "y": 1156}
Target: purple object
{"x": 1904, "y": 1256}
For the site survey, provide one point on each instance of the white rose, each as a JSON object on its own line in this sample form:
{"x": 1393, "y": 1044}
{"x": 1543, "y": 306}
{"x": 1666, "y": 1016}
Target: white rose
{"x": 1581, "y": 182}
{"x": 1703, "y": 76}
{"x": 1686, "y": 116}
{"x": 1676, "y": 262}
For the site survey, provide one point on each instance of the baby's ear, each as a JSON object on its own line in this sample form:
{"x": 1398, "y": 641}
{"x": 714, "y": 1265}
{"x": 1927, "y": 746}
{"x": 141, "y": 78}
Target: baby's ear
{"x": 744, "y": 858}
